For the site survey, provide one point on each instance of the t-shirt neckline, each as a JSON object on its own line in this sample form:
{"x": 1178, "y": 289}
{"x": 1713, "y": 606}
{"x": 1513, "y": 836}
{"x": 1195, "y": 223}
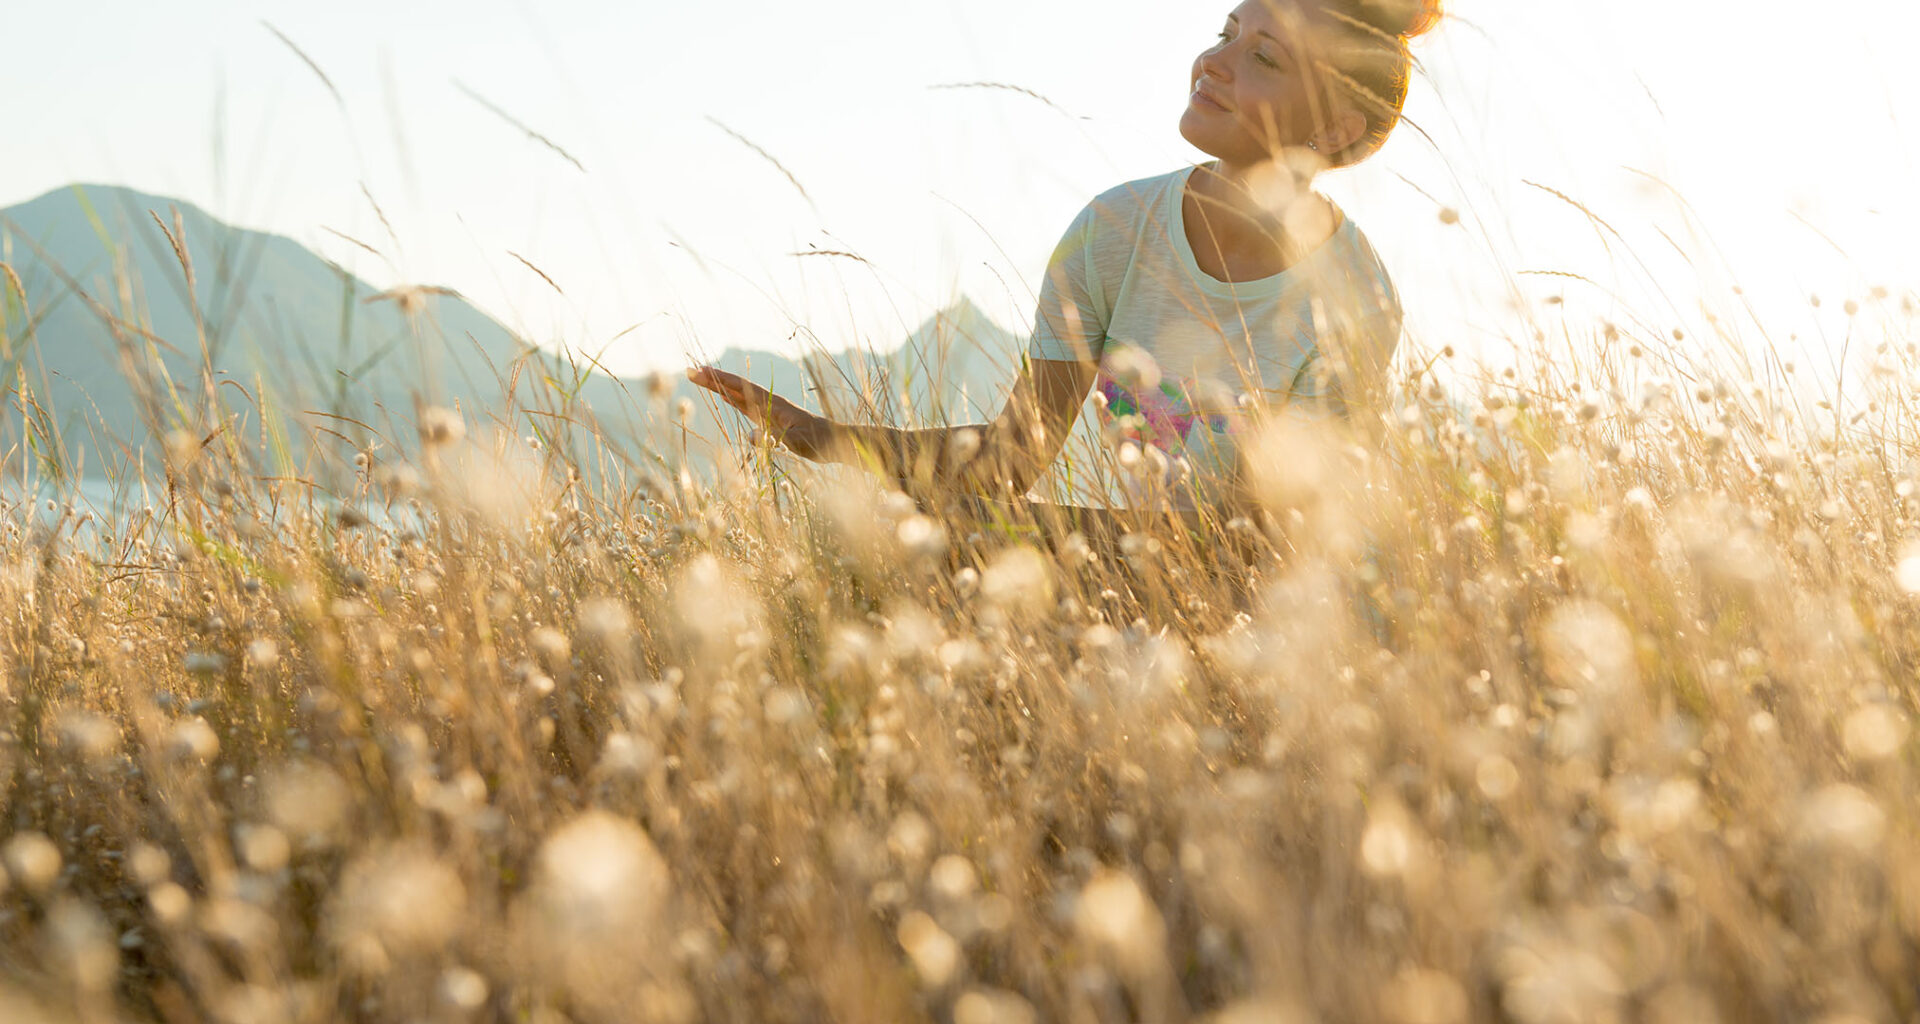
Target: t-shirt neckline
{"x": 1258, "y": 287}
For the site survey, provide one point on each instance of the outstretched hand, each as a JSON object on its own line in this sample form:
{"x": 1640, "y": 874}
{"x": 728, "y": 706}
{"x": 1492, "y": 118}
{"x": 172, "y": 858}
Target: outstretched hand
{"x": 802, "y": 432}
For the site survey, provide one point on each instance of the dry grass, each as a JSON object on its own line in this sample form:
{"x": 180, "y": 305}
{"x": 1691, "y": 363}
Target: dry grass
{"x": 1588, "y": 704}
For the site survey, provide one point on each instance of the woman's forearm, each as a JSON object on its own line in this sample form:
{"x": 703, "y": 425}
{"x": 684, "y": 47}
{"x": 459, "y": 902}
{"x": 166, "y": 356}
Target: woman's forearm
{"x": 976, "y": 458}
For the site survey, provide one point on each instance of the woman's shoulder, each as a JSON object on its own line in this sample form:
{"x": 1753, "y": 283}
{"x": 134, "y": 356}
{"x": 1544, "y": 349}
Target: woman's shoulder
{"x": 1132, "y": 202}
{"x": 1145, "y": 189}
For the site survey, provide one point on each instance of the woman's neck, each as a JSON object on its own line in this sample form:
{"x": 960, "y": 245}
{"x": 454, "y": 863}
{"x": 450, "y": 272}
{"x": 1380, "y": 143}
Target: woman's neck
{"x": 1262, "y": 215}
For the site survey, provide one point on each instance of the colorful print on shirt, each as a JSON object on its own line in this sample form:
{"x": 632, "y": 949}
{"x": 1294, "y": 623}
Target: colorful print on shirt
{"x": 1161, "y": 416}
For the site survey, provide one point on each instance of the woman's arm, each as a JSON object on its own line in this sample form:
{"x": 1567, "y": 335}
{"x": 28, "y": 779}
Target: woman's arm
{"x": 1000, "y": 458}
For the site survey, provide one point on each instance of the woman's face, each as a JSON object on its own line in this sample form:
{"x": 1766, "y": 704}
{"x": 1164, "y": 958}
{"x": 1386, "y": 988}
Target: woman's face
{"x": 1252, "y": 92}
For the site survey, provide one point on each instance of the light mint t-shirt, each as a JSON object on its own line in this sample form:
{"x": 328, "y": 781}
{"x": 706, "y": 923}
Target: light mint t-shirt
{"x": 1183, "y": 355}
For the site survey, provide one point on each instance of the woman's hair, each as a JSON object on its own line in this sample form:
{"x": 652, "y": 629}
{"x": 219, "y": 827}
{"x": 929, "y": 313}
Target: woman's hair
{"x": 1369, "y": 63}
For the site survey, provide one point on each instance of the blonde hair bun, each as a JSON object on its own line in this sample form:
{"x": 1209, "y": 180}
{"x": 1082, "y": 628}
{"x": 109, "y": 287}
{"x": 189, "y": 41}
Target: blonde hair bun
{"x": 1404, "y": 18}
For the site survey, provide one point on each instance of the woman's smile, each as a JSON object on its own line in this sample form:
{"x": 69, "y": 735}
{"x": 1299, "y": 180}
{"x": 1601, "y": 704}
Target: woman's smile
{"x": 1205, "y": 101}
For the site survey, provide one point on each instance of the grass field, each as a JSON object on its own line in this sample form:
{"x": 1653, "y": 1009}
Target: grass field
{"x": 1581, "y": 695}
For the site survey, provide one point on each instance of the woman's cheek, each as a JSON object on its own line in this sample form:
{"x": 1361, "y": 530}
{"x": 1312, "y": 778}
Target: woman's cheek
{"x": 1263, "y": 122}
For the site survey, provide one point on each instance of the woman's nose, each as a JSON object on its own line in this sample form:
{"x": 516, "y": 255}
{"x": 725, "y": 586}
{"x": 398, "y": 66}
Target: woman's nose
{"x": 1211, "y": 65}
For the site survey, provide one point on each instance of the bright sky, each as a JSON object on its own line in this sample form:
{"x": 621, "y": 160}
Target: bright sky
{"x": 1790, "y": 128}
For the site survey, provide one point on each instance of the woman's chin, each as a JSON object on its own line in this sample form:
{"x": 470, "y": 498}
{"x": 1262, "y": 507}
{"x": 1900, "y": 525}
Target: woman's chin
{"x": 1196, "y": 135}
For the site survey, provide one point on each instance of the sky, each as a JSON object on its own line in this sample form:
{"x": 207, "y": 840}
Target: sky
{"x": 692, "y": 149}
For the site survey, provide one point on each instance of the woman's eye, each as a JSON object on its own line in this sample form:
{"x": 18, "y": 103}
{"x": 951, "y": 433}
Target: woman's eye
{"x": 1224, "y": 37}
{"x": 1262, "y": 58}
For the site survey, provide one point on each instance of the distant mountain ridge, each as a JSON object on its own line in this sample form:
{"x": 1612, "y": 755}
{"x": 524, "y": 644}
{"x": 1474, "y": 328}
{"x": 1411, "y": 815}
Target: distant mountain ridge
{"x": 270, "y": 324}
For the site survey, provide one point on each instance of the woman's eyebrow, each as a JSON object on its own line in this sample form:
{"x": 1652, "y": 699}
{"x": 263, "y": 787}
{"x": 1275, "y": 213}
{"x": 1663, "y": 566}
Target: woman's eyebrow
{"x": 1234, "y": 19}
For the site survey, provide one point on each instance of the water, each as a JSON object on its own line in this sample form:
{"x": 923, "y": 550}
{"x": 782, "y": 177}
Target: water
{"x": 95, "y": 509}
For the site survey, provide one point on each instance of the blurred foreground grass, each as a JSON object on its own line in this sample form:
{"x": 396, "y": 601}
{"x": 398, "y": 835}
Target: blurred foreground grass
{"x": 1582, "y": 697}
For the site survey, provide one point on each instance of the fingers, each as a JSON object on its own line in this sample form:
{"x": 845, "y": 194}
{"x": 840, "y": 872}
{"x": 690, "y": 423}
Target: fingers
{"x": 774, "y": 419}
{"x": 722, "y": 383}
{"x": 715, "y": 380}
{"x": 728, "y": 385}
{"x": 760, "y": 406}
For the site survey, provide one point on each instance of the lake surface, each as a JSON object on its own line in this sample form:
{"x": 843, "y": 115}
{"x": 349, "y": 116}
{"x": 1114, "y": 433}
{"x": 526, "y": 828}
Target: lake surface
{"x": 104, "y": 503}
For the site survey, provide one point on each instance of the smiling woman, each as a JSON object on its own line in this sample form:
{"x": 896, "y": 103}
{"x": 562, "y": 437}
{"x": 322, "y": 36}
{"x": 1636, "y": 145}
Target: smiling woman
{"x": 1194, "y": 302}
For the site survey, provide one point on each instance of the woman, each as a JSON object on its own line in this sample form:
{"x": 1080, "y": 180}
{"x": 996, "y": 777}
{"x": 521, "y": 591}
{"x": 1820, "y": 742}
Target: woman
{"x": 1192, "y": 299}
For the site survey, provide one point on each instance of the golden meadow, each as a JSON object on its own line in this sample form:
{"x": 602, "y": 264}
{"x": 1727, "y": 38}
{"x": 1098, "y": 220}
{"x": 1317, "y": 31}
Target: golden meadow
{"x": 1575, "y": 693}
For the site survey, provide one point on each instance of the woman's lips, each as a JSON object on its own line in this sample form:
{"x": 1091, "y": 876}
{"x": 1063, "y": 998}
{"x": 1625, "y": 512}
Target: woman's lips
{"x": 1205, "y": 102}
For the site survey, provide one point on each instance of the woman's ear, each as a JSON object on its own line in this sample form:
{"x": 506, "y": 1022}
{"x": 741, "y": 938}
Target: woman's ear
{"x": 1347, "y": 127}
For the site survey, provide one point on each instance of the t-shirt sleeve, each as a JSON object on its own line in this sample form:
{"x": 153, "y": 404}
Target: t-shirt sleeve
{"x": 1070, "y": 323}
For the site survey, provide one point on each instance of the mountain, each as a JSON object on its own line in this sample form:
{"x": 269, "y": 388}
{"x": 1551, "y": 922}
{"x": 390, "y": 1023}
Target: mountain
{"x": 116, "y": 347}
{"x": 111, "y": 350}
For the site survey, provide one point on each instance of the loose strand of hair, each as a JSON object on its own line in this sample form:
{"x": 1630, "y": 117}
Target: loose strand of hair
{"x": 1399, "y": 43}
{"x": 1385, "y": 106}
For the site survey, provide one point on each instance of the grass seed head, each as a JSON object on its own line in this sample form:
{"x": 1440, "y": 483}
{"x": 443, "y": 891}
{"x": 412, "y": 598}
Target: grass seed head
{"x": 1875, "y": 732}
{"x": 440, "y": 427}
{"x": 993, "y": 1006}
{"x": 1115, "y": 916}
{"x": 1589, "y": 650}
{"x": 1387, "y": 845}
{"x": 1840, "y": 819}
{"x": 1906, "y": 571}
{"x": 307, "y": 801}
{"x": 80, "y": 942}
{"x": 1018, "y": 580}
{"x": 922, "y": 538}
{"x": 32, "y": 861}
{"x": 395, "y": 902}
{"x": 90, "y": 737}
{"x": 193, "y": 740}
{"x": 935, "y": 954}
{"x": 715, "y": 605}
{"x": 599, "y": 878}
